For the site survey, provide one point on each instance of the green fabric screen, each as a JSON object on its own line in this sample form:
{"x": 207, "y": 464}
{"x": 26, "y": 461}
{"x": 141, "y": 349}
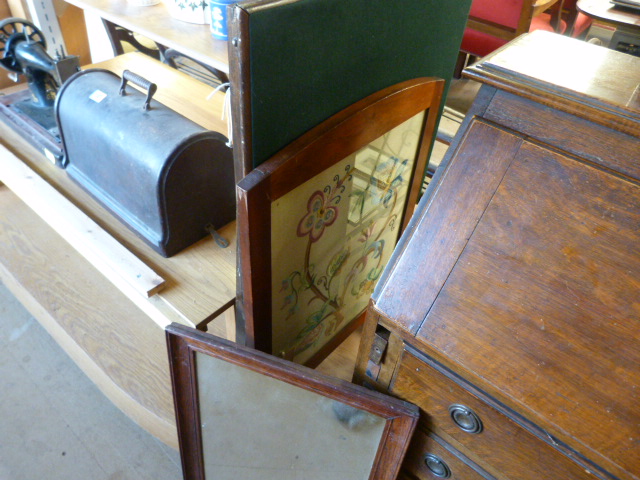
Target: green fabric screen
{"x": 312, "y": 58}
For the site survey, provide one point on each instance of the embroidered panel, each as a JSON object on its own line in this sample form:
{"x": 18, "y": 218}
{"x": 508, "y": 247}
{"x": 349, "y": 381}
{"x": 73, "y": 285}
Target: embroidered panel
{"x": 332, "y": 237}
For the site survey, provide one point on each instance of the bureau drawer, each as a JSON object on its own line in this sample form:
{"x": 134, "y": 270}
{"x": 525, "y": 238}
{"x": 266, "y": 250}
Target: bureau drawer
{"x": 488, "y": 437}
{"x": 430, "y": 458}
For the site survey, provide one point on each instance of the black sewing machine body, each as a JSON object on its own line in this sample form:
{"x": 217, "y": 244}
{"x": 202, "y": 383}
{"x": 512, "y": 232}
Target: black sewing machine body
{"x": 31, "y": 111}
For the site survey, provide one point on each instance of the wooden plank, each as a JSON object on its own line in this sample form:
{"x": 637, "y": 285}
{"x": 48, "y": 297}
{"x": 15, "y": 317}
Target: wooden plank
{"x": 113, "y": 260}
{"x": 551, "y": 275}
{"x": 200, "y": 280}
{"x": 116, "y": 345}
{"x": 537, "y": 67}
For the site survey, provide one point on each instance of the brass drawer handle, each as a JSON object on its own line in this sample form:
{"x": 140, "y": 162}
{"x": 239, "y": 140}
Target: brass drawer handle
{"x": 437, "y": 466}
{"x": 465, "y": 418}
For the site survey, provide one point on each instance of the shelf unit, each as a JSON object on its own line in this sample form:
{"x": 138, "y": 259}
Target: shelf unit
{"x": 156, "y": 23}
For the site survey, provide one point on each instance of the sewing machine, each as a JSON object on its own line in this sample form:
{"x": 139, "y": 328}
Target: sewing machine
{"x": 31, "y": 111}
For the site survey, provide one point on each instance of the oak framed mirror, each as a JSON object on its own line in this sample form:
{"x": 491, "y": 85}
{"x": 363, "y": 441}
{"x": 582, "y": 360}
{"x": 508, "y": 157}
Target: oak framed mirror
{"x": 244, "y": 414}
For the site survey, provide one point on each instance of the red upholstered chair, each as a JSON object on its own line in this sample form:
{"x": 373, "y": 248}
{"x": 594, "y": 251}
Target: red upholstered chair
{"x": 493, "y": 23}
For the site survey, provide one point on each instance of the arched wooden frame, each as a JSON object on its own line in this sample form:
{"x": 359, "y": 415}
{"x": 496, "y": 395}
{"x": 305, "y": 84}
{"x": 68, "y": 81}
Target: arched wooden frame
{"x": 319, "y": 150}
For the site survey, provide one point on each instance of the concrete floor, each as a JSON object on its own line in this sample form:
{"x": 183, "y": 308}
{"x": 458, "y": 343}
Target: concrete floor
{"x": 55, "y": 424}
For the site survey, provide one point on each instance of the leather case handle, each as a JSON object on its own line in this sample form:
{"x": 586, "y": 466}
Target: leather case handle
{"x": 129, "y": 76}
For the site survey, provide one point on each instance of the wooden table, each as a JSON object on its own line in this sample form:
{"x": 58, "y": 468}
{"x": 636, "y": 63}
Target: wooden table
{"x": 604, "y": 11}
{"x": 85, "y": 301}
{"x": 619, "y": 27}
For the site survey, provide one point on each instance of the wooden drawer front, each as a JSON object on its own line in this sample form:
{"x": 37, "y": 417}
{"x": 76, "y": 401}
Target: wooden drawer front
{"x": 502, "y": 447}
{"x": 423, "y": 445}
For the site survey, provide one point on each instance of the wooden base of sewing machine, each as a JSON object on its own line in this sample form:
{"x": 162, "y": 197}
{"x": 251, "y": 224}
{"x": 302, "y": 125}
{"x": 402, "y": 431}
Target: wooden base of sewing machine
{"x": 94, "y": 307}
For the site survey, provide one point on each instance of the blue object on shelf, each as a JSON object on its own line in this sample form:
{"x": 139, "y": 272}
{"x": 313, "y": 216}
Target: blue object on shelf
{"x": 219, "y": 17}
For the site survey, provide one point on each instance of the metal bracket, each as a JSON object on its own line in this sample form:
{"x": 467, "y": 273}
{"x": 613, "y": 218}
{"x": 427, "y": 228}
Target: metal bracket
{"x": 379, "y": 347}
{"x": 220, "y": 240}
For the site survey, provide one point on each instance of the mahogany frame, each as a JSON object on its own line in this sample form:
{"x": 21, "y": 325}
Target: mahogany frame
{"x": 311, "y": 154}
{"x": 183, "y": 343}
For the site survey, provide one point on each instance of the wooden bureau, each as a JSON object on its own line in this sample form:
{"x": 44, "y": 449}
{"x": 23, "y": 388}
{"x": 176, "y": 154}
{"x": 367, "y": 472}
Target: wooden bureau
{"x": 510, "y": 312}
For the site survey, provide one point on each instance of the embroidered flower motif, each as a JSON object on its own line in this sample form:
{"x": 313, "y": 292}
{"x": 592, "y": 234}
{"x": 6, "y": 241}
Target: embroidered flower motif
{"x": 320, "y": 214}
{"x": 383, "y": 191}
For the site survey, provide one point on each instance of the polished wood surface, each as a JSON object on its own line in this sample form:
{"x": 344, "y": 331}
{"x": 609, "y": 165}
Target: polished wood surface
{"x": 424, "y": 444}
{"x": 116, "y": 338}
{"x": 156, "y": 23}
{"x": 503, "y": 447}
{"x": 568, "y": 83}
{"x": 515, "y": 292}
{"x": 117, "y": 346}
{"x": 605, "y": 11}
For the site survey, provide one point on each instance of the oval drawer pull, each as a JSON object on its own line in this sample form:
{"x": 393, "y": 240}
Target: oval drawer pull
{"x": 465, "y": 418}
{"x": 437, "y": 466}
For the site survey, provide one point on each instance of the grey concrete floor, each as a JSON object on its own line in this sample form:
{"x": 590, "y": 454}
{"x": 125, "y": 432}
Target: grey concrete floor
{"x": 55, "y": 424}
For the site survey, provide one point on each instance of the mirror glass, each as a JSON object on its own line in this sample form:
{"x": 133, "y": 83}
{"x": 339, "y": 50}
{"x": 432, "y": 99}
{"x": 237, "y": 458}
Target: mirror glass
{"x": 257, "y": 427}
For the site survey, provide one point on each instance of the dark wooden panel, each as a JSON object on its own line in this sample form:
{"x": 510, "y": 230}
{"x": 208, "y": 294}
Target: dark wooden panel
{"x": 503, "y": 448}
{"x": 605, "y": 146}
{"x": 569, "y": 75}
{"x": 543, "y": 304}
{"x": 462, "y": 194}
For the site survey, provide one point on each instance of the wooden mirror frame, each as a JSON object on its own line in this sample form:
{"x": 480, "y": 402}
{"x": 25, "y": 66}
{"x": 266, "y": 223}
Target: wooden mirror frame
{"x": 184, "y": 343}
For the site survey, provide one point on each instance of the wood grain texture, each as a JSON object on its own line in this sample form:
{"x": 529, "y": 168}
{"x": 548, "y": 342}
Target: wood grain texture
{"x": 97, "y": 246}
{"x": 550, "y": 274}
{"x": 561, "y": 72}
{"x": 459, "y": 200}
{"x": 604, "y": 146}
{"x": 200, "y": 281}
{"x": 111, "y": 340}
{"x": 240, "y": 78}
{"x": 503, "y": 448}
{"x": 533, "y": 321}
{"x": 156, "y": 23}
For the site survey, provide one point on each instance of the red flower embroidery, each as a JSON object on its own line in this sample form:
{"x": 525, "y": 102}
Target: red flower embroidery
{"x": 320, "y": 214}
